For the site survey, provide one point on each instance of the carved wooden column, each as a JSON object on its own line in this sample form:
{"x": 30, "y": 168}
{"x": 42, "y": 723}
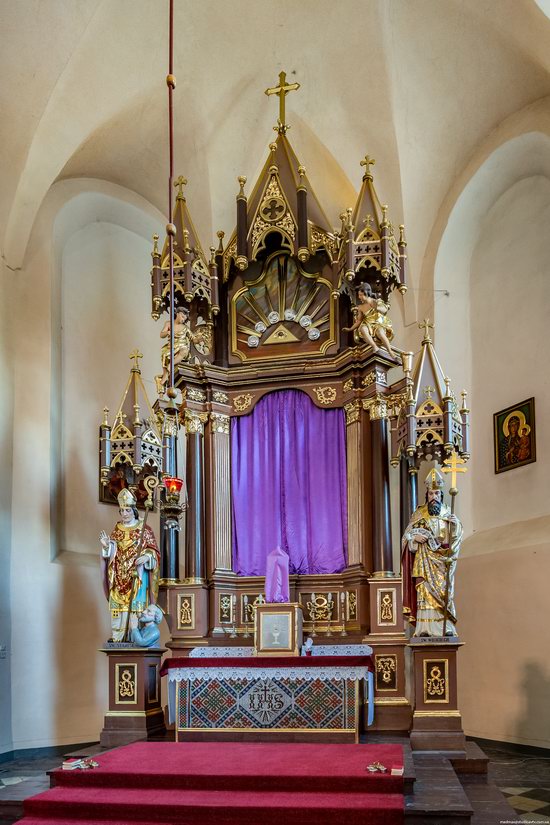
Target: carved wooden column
{"x": 195, "y": 563}
{"x": 381, "y": 524}
{"x": 220, "y": 491}
{"x": 187, "y": 613}
{"x": 392, "y": 708}
{"x": 169, "y": 539}
{"x": 358, "y": 553}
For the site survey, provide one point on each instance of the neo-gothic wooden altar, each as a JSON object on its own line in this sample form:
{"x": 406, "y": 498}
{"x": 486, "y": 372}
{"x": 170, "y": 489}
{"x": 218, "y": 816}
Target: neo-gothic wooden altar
{"x": 280, "y": 292}
{"x": 267, "y": 312}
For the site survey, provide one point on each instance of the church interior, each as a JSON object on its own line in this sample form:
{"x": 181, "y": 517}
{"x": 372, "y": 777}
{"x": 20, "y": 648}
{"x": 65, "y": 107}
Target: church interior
{"x": 274, "y": 523}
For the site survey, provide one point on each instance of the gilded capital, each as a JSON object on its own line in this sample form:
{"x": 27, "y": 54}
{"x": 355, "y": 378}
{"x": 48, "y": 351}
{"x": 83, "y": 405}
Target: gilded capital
{"x": 376, "y": 406}
{"x": 195, "y": 421}
{"x": 220, "y": 422}
{"x": 353, "y": 411}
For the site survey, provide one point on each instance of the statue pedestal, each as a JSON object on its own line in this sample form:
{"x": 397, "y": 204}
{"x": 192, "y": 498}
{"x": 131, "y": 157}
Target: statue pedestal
{"x": 387, "y": 636}
{"x": 437, "y": 723}
{"x": 135, "y": 710}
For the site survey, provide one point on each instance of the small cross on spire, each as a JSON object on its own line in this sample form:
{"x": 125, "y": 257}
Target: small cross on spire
{"x": 136, "y": 354}
{"x": 428, "y": 392}
{"x": 426, "y": 326}
{"x": 281, "y": 91}
{"x": 367, "y": 162}
{"x": 180, "y": 182}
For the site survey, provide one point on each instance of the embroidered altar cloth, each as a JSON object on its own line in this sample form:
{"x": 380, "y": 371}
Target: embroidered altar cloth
{"x": 187, "y": 677}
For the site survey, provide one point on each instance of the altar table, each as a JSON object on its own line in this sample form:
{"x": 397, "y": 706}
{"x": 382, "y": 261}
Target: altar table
{"x": 300, "y": 698}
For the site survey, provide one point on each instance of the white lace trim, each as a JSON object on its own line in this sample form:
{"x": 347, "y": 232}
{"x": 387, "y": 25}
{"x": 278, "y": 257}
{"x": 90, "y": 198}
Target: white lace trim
{"x": 223, "y": 652}
{"x": 317, "y": 650}
{"x": 249, "y": 674}
{"x": 341, "y": 650}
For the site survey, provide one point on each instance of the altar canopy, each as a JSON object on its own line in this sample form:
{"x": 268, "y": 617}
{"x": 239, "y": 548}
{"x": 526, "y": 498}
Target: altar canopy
{"x": 288, "y": 485}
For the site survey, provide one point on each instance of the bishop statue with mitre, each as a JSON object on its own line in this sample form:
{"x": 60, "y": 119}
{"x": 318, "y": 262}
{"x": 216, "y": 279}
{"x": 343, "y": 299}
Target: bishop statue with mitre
{"x": 430, "y": 548}
{"x": 130, "y": 566}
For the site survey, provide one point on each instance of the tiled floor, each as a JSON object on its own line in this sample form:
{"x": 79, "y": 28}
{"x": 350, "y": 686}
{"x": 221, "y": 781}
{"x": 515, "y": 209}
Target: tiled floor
{"x": 524, "y": 781}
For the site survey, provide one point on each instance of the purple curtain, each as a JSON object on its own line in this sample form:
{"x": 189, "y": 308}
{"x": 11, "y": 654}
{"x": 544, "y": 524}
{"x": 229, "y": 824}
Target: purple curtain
{"x": 288, "y": 485}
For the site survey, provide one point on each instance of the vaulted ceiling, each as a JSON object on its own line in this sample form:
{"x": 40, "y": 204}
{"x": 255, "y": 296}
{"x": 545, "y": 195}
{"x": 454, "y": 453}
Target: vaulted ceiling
{"x": 419, "y": 84}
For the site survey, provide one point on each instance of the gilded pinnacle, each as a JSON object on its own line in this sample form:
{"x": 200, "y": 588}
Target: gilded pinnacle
{"x": 426, "y": 326}
{"x": 367, "y": 162}
{"x": 180, "y": 182}
{"x": 135, "y": 355}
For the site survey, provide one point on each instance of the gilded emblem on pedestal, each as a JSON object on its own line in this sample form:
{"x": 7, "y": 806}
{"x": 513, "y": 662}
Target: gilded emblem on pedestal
{"x": 436, "y": 681}
{"x": 186, "y": 611}
{"x": 386, "y": 672}
{"x": 125, "y": 681}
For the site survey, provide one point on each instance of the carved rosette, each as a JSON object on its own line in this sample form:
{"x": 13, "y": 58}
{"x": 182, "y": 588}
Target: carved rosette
{"x": 325, "y": 395}
{"x": 242, "y": 402}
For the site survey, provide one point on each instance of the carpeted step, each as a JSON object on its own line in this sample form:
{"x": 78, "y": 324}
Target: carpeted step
{"x": 39, "y": 820}
{"x": 215, "y": 807}
{"x": 239, "y": 766}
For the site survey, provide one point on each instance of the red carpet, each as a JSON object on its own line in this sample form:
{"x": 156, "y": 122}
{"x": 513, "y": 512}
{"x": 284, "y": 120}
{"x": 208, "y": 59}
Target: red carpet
{"x": 226, "y": 784}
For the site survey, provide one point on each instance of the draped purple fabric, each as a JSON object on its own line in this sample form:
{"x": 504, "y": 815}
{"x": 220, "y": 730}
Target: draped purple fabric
{"x": 288, "y": 485}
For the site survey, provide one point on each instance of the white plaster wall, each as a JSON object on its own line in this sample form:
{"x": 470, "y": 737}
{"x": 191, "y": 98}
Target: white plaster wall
{"x": 510, "y": 301}
{"x": 504, "y": 570}
{"x": 6, "y": 452}
{"x": 105, "y": 316}
{"x": 58, "y": 612}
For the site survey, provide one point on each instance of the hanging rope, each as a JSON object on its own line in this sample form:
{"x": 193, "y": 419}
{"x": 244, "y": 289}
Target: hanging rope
{"x": 170, "y": 228}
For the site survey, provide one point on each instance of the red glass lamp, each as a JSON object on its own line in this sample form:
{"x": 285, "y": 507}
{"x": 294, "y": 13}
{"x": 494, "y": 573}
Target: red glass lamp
{"x": 173, "y": 486}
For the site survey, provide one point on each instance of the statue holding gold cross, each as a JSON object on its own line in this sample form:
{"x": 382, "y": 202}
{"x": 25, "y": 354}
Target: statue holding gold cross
{"x": 430, "y": 549}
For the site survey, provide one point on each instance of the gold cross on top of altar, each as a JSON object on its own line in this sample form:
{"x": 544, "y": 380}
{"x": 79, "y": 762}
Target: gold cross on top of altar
{"x": 136, "y": 354}
{"x": 454, "y": 464}
{"x": 281, "y": 91}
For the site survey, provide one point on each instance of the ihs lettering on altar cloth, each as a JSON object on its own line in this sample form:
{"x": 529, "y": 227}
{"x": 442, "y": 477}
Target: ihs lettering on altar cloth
{"x": 281, "y": 91}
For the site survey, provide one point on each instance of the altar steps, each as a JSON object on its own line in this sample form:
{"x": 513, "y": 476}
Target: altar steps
{"x": 227, "y": 807}
{"x": 227, "y": 784}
